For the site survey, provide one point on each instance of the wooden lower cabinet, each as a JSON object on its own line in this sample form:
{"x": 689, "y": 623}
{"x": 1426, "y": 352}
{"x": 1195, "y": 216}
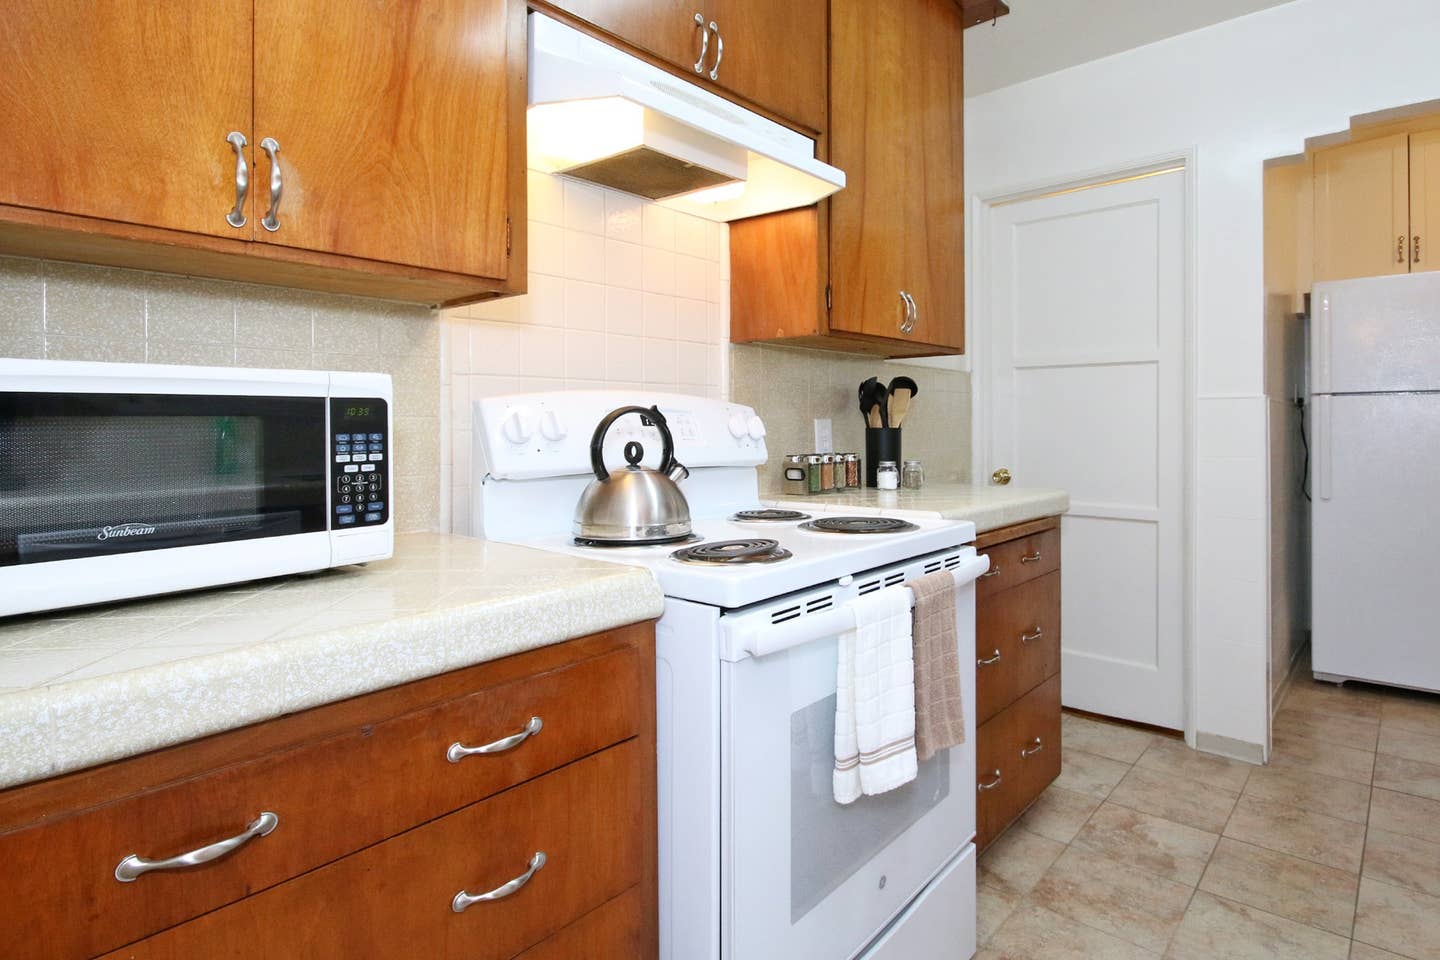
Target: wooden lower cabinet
{"x": 1017, "y": 625}
{"x": 377, "y": 831}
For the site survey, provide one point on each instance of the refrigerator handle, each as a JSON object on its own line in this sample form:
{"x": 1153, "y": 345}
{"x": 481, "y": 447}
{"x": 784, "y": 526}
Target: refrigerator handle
{"x": 1321, "y": 441}
{"x": 1320, "y": 361}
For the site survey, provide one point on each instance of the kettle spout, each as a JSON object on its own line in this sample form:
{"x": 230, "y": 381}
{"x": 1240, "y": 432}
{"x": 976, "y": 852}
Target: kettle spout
{"x": 678, "y": 471}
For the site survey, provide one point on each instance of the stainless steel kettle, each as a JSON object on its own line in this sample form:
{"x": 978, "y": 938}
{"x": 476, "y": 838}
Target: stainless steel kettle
{"x": 635, "y": 505}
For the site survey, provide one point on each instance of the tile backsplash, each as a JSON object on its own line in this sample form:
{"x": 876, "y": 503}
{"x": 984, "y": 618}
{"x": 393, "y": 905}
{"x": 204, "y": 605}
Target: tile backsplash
{"x": 67, "y": 311}
{"x": 623, "y": 293}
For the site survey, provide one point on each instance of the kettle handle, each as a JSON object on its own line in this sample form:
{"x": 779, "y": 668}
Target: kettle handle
{"x": 597, "y": 459}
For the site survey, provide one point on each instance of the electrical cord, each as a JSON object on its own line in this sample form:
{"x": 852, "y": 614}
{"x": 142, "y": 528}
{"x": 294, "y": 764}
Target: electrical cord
{"x": 1304, "y": 442}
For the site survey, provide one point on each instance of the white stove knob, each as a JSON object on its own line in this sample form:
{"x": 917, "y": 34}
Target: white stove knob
{"x": 519, "y": 427}
{"x": 550, "y": 426}
{"x": 756, "y": 428}
{"x": 738, "y": 426}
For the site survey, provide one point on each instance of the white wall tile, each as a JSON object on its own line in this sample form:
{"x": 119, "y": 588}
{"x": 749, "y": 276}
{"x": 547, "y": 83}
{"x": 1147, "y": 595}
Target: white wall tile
{"x": 584, "y": 256}
{"x": 545, "y": 301}
{"x": 547, "y": 249}
{"x": 460, "y": 402}
{"x": 659, "y": 316}
{"x": 659, "y": 272}
{"x": 494, "y": 348}
{"x": 624, "y": 358}
{"x": 691, "y": 236}
{"x": 584, "y": 355}
{"x": 690, "y": 278}
{"x": 542, "y": 352}
{"x": 692, "y": 320}
{"x": 623, "y": 264}
{"x": 691, "y": 360}
{"x": 584, "y": 207}
{"x": 624, "y": 215}
{"x": 624, "y": 311}
{"x": 584, "y": 305}
{"x": 659, "y": 360}
{"x": 457, "y": 345}
{"x": 545, "y": 198}
{"x": 659, "y": 227}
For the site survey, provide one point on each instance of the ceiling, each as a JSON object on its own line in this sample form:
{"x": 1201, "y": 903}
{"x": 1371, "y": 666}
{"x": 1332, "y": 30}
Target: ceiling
{"x": 1043, "y": 36}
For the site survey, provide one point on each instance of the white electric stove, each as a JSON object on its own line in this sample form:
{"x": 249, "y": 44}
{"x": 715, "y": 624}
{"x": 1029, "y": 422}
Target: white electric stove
{"x": 757, "y": 861}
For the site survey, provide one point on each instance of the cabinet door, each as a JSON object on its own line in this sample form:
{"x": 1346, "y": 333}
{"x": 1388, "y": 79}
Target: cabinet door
{"x": 397, "y": 124}
{"x": 1424, "y": 200}
{"x": 1362, "y": 209}
{"x": 120, "y": 111}
{"x": 665, "y": 28}
{"x": 773, "y": 55}
{"x": 895, "y": 129}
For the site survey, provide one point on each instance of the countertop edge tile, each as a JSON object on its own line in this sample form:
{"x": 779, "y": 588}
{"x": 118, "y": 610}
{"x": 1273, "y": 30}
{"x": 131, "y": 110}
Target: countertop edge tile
{"x": 989, "y": 507}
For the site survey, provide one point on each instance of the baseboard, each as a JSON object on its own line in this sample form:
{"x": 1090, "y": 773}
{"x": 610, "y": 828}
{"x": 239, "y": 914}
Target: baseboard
{"x": 1230, "y": 747}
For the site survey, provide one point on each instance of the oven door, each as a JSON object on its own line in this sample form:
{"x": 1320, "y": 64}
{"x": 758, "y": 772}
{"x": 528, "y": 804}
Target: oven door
{"x": 803, "y": 876}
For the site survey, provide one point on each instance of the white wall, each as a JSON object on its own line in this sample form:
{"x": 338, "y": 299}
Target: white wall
{"x": 1234, "y": 94}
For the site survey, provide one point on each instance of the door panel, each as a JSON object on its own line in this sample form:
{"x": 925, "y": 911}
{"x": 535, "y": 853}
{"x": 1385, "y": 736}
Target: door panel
{"x": 136, "y": 131}
{"x": 664, "y": 28}
{"x": 1362, "y": 209}
{"x": 1424, "y": 200}
{"x": 1085, "y": 383}
{"x": 385, "y": 114}
{"x": 774, "y": 55}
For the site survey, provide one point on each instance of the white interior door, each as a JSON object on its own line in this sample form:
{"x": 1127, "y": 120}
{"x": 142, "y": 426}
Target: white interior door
{"x": 1085, "y": 374}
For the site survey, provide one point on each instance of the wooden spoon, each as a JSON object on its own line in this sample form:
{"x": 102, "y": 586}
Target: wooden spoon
{"x": 902, "y": 391}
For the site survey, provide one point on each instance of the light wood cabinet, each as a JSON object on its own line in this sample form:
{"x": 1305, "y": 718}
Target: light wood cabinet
{"x": 1424, "y": 200}
{"x": 1362, "y": 209}
{"x": 889, "y": 275}
{"x": 387, "y": 139}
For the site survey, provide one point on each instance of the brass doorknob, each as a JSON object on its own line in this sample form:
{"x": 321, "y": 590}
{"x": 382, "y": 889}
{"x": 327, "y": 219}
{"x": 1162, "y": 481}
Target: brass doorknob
{"x": 1001, "y": 476}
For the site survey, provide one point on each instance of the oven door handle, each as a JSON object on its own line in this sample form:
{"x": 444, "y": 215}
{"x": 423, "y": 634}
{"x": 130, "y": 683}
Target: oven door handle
{"x": 765, "y": 639}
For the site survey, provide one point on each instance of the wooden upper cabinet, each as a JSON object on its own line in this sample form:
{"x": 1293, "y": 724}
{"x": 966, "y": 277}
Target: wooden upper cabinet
{"x": 1424, "y": 200}
{"x": 897, "y": 230}
{"x": 382, "y": 115}
{"x": 1362, "y": 209}
{"x": 666, "y": 29}
{"x": 121, "y": 112}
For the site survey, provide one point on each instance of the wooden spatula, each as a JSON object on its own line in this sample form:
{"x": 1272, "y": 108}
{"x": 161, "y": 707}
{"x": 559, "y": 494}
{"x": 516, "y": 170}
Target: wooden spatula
{"x": 902, "y": 391}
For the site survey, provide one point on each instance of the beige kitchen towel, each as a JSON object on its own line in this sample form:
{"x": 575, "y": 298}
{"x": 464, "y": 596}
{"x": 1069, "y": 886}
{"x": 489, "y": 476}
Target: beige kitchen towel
{"x": 939, "y": 712}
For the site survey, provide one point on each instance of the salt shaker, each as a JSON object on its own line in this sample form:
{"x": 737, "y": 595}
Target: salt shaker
{"x": 887, "y": 477}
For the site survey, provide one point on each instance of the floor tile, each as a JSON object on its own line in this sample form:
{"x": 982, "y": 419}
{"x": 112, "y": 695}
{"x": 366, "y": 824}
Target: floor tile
{"x": 1363, "y": 951}
{"x": 1301, "y": 833}
{"x": 1089, "y": 774}
{"x": 1316, "y": 756}
{"x": 1218, "y": 929}
{"x": 1175, "y": 758}
{"x": 1033, "y": 933}
{"x": 1399, "y": 920}
{"x": 1059, "y": 813}
{"x": 1180, "y": 799}
{"x": 1342, "y": 799}
{"x": 1402, "y": 813}
{"x": 993, "y": 905}
{"x": 1403, "y": 861}
{"x": 1308, "y": 893}
{"x": 1347, "y": 701}
{"x": 1110, "y": 740}
{"x": 1018, "y": 859}
{"x": 1407, "y": 776}
{"x": 1113, "y": 897}
{"x": 1162, "y": 847}
{"x": 1396, "y": 742}
{"x": 1357, "y": 732}
{"x": 1414, "y": 713}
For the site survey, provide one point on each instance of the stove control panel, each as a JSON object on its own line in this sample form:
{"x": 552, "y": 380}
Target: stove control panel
{"x": 532, "y": 435}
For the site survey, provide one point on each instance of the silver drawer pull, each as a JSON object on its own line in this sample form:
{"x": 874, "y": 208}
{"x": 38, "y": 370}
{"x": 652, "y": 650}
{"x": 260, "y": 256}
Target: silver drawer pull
{"x": 1031, "y": 751}
{"x": 980, "y": 787}
{"x": 993, "y": 572}
{"x": 989, "y": 660}
{"x": 464, "y": 900}
{"x": 704, "y": 43}
{"x": 458, "y": 751}
{"x": 1031, "y": 557}
{"x": 271, "y": 220}
{"x": 236, "y": 217}
{"x": 130, "y": 869}
{"x": 1027, "y": 637}
{"x": 719, "y": 51}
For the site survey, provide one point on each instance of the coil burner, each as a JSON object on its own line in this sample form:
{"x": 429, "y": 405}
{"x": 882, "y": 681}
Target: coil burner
{"x": 859, "y": 525}
{"x": 769, "y": 516}
{"x": 733, "y": 552}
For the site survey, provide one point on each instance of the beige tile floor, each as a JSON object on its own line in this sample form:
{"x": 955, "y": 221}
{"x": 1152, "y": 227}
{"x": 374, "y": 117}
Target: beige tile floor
{"x": 1144, "y": 848}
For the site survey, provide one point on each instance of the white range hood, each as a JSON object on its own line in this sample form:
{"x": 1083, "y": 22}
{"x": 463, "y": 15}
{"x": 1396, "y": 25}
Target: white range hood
{"x": 600, "y": 114}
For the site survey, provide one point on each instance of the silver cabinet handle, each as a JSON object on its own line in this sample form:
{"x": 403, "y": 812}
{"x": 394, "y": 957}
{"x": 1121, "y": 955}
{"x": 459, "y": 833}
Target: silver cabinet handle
{"x": 992, "y": 572}
{"x": 1027, "y": 637}
{"x": 236, "y": 217}
{"x": 914, "y": 312}
{"x": 1031, "y": 751}
{"x": 463, "y": 900}
{"x": 989, "y": 660}
{"x": 704, "y": 43}
{"x": 982, "y": 787}
{"x": 130, "y": 869}
{"x": 911, "y": 313}
{"x": 458, "y": 751}
{"x": 719, "y": 51}
{"x": 1031, "y": 557}
{"x": 271, "y": 220}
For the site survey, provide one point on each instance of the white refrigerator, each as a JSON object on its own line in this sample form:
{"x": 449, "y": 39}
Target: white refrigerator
{"x": 1375, "y": 480}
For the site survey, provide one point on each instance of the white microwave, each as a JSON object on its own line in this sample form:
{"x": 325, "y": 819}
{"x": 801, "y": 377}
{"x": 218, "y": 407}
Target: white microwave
{"x": 125, "y": 480}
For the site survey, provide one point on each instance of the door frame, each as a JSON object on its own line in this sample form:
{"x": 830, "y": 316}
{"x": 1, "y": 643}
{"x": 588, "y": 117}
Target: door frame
{"x": 977, "y": 308}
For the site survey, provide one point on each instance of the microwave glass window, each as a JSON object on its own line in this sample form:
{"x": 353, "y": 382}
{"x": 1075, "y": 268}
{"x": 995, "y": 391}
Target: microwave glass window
{"x": 85, "y": 475}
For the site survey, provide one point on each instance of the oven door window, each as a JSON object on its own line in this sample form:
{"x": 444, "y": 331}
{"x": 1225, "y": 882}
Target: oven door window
{"x": 87, "y": 475}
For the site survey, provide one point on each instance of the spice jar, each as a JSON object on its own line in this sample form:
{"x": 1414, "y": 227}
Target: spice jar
{"x": 827, "y": 473}
{"x": 852, "y": 471}
{"x": 912, "y": 477}
{"x": 887, "y": 477}
{"x": 812, "y": 473}
{"x": 796, "y": 475}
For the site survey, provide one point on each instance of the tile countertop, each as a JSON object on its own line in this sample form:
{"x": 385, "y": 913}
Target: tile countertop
{"x": 988, "y": 507}
{"x": 81, "y": 687}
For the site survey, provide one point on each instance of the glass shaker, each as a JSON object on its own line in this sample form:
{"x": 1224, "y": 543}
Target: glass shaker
{"x": 887, "y": 477}
{"x": 913, "y": 476}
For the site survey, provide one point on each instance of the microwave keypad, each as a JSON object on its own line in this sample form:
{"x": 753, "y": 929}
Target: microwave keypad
{"x": 359, "y": 496}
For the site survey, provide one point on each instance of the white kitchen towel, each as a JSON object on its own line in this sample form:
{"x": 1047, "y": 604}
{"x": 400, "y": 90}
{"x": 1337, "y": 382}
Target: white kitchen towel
{"x": 875, "y": 698}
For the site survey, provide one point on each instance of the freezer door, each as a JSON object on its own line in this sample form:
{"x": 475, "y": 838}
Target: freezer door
{"x": 1376, "y": 526}
{"x": 1376, "y": 334}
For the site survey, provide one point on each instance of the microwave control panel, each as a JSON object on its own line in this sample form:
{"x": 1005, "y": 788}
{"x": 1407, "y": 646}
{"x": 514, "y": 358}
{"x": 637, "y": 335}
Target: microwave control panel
{"x": 359, "y": 452}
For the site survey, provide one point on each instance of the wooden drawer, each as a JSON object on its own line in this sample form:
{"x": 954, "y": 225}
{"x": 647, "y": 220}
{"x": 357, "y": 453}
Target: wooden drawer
{"x": 1019, "y": 752}
{"x": 394, "y": 899}
{"x": 617, "y": 929}
{"x": 1002, "y": 625}
{"x": 1018, "y": 561}
{"x": 332, "y": 796}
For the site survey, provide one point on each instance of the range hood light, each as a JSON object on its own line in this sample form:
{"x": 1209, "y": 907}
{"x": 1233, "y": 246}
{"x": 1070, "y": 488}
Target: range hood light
{"x": 575, "y": 132}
